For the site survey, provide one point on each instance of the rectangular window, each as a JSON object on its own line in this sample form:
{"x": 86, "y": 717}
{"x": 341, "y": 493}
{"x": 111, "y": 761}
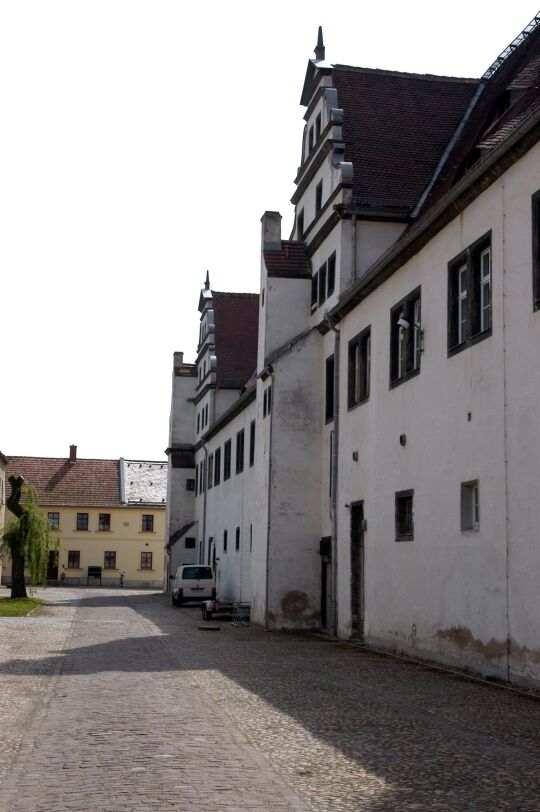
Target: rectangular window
{"x": 300, "y": 225}
{"x": 206, "y": 415}
{"x": 314, "y": 291}
{"x": 53, "y": 520}
{"x": 322, "y": 284}
{"x": 469, "y": 295}
{"x": 536, "y": 248}
{"x": 217, "y": 466}
{"x": 74, "y": 559}
{"x": 404, "y": 516}
{"x": 198, "y": 422}
{"x": 190, "y": 484}
{"x": 252, "y": 444}
{"x": 146, "y": 561}
{"x": 329, "y": 390}
{"x": 359, "y": 368}
{"x": 202, "y": 476}
{"x": 318, "y": 122}
{"x": 210, "y": 470}
{"x": 82, "y": 521}
{"x": 237, "y": 539}
{"x": 109, "y": 560}
{"x": 224, "y": 541}
{"x": 470, "y": 507}
{"x": 310, "y": 139}
{"x": 104, "y": 521}
{"x": 240, "y": 451}
{"x": 318, "y": 197}
{"x": 331, "y": 274}
{"x": 190, "y": 543}
{"x": 405, "y": 338}
{"x": 196, "y": 480}
{"x": 148, "y": 523}
{"x": 227, "y": 461}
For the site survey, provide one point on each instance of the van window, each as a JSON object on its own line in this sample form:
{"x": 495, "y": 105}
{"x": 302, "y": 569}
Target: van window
{"x": 199, "y": 573}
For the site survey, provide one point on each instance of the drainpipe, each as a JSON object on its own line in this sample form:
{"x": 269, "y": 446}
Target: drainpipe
{"x": 335, "y": 459}
{"x": 270, "y": 371}
{"x": 205, "y": 491}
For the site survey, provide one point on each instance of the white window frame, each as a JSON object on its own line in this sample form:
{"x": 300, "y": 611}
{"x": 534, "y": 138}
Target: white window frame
{"x": 485, "y": 289}
{"x": 463, "y": 304}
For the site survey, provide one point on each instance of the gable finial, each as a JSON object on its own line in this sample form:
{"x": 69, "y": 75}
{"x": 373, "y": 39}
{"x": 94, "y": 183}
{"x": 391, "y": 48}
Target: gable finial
{"x": 207, "y": 281}
{"x": 319, "y": 50}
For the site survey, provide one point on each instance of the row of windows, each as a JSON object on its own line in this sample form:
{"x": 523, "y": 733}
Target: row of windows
{"x": 202, "y": 418}
{"x": 104, "y": 521}
{"x": 469, "y": 321}
{"x": 109, "y": 560}
{"x": 210, "y": 475}
{"x": 323, "y": 282}
{"x": 236, "y": 539}
{"x": 469, "y": 511}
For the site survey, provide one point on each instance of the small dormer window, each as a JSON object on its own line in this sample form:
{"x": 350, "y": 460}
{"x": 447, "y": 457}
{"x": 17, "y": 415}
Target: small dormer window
{"x": 317, "y": 128}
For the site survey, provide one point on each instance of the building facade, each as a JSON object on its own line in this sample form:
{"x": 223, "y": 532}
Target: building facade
{"x": 107, "y": 513}
{"x": 389, "y": 494}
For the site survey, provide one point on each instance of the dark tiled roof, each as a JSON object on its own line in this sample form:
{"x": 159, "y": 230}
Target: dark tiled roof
{"x": 59, "y": 482}
{"x": 236, "y": 317}
{"x": 396, "y": 127}
{"x": 292, "y": 261}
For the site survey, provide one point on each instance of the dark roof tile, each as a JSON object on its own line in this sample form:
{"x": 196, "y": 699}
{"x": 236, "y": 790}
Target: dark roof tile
{"x": 59, "y": 482}
{"x": 291, "y": 262}
{"x": 236, "y": 317}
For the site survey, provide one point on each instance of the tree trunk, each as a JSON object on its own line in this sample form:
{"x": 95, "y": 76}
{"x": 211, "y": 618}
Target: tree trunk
{"x": 18, "y": 587}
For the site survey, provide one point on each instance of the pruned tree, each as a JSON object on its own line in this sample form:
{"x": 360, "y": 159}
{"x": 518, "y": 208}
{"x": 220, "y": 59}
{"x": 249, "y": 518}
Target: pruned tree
{"x": 27, "y": 537}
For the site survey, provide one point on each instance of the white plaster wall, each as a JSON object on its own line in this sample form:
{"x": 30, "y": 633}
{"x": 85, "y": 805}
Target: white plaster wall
{"x": 182, "y": 411}
{"x": 373, "y": 238}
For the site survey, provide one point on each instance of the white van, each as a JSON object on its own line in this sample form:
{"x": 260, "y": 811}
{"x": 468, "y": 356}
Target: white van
{"x": 193, "y": 582}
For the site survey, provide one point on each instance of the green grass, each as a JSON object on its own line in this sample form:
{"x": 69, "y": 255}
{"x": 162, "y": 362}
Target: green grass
{"x": 18, "y": 607}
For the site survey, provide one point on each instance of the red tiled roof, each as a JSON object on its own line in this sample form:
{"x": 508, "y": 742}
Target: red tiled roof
{"x": 292, "y": 261}
{"x": 59, "y": 482}
{"x": 236, "y": 317}
{"x": 396, "y": 127}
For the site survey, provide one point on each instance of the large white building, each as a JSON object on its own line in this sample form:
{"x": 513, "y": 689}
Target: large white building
{"x": 367, "y": 458}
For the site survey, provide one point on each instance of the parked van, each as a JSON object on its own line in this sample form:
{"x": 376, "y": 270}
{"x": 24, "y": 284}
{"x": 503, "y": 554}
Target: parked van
{"x": 193, "y": 582}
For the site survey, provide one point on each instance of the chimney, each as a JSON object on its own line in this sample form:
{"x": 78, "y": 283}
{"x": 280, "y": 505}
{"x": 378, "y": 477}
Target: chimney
{"x": 72, "y": 454}
{"x": 271, "y": 231}
{"x": 178, "y": 359}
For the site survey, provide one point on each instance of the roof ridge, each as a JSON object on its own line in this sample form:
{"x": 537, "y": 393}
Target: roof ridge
{"x": 62, "y": 459}
{"x": 407, "y": 75}
{"x": 232, "y": 293}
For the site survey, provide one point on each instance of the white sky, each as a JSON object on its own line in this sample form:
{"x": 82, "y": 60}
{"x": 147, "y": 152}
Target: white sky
{"x": 141, "y": 141}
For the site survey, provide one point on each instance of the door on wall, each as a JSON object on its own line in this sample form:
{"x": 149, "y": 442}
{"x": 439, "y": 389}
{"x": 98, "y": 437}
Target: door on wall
{"x": 326, "y": 581}
{"x": 52, "y": 566}
{"x": 357, "y": 569}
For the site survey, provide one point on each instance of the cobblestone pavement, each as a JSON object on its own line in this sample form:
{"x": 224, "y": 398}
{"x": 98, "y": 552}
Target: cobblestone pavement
{"x": 127, "y": 704}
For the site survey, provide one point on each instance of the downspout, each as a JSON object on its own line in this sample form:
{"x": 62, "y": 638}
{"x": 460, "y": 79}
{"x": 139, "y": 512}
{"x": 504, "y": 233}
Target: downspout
{"x": 505, "y": 425}
{"x": 270, "y": 371}
{"x": 205, "y": 491}
{"x": 335, "y": 460}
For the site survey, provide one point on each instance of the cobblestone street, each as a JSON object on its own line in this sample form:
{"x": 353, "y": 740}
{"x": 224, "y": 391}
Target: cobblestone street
{"x": 114, "y": 700}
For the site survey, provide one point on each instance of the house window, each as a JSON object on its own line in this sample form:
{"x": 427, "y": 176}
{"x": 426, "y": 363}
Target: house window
{"x": 190, "y": 484}
{"x": 322, "y": 284}
{"x": 227, "y": 461}
{"x": 210, "y": 470}
{"x": 206, "y": 415}
{"x": 202, "y": 474}
{"x": 196, "y": 480}
{"x": 329, "y": 393}
{"x": 74, "y": 559}
{"x": 104, "y": 522}
{"x": 314, "y": 291}
{"x": 252, "y": 444}
{"x": 318, "y": 127}
{"x": 217, "y": 466}
{"x": 310, "y": 139}
{"x": 404, "y": 516}
{"x": 405, "y": 338}
{"x": 262, "y": 297}
{"x": 190, "y": 543}
{"x": 198, "y": 422}
{"x": 267, "y": 401}
{"x": 469, "y": 296}
{"x": 224, "y": 541}
{"x": 109, "y": 560}
{"x": 536, "y": 248}
{"x": 240, "y": 451}
{"x": 148, "y": 523}
{"x": 331, "y": 274}
{"x": 82, "y": 521}
{"x": 237, "y": 539}
{"x": 53, "y": 519}
{"x": 318, "y": 197}
{"x": 300, "y": 225}
{"x": 470, "y": 507}
{"x": 359, "y": 368}
{"x": 146, "y": 561}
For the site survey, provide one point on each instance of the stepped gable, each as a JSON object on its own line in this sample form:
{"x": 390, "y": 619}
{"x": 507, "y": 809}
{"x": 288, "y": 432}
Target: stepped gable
{"x": 291, "y": 262}
{"x": 396, "y": 127}
{"x": 59, "y": 482}
{"x": 236, "y": 317}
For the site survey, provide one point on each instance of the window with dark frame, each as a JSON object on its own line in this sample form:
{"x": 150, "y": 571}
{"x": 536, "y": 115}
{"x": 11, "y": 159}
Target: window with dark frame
{"x": 227, "y": 461}
{"x": 359, "y": 368}
{"x": 300, "y": 225}
{"x": 310, "y": 139}
{"x": 196, "y": 480}
{"x": 404, "y": 516}
{"x": 536, "y": 249}
{"x": 405, "y": 338}
{"x": 217, "y": 466}
{"x": 224, "y": 541}
{"x": 318, "y": 197}
{"x": 82, "y": 521}
{"x": 329, "y": 390}
{"x": 198, "y": 422}
{"x": 331, "y": 273}
{"x": 74, "y": 559}
{"x": 190, "y": 543}
{"x": 190, "y": 484}
{"x": 237, "y": 539}
{"x": 470, "y": 507}
{"x": 109, "y": 560}
{"x": 252, "y": 444}
{"x": 53, "y": 520}
{"x": 322, "y": 283}
{"x": 210, "y": 470}
{"x": 314, "y": 291}
{"x": 146, "y": 561}
{"x": 240, "y": 451}
{"x": 104, "y": 522}
{"x": 148, "y": 523}
{"x": 318, "y": 122}
{"x": 469, "y": 295}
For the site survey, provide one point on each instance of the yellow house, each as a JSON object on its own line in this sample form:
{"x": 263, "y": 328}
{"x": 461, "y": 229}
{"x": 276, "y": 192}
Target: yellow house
{"x": 109, "y": 514}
